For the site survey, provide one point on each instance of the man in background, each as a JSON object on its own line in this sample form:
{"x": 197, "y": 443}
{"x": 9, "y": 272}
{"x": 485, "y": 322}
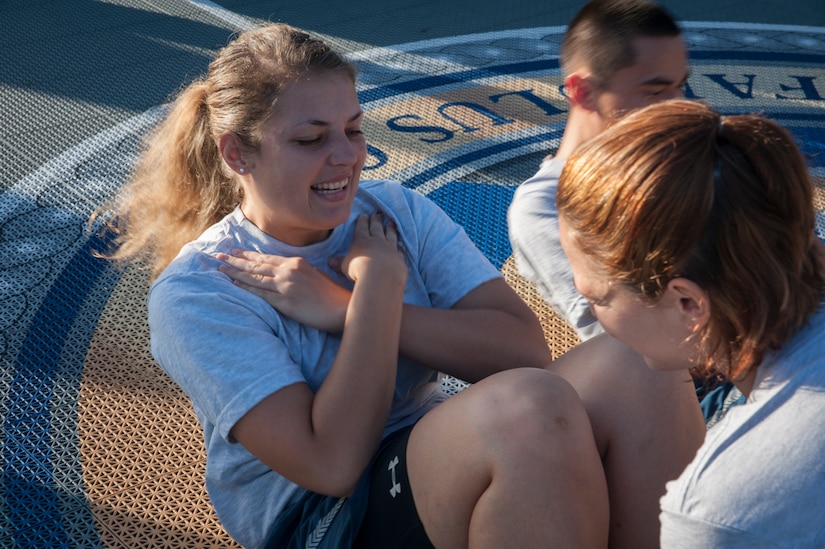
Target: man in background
{"x": 617, "y": 55}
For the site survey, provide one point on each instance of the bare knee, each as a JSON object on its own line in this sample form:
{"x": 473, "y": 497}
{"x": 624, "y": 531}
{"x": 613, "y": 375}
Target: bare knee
{"x": 532, "y": 408}
{"x": 515, "y": 451}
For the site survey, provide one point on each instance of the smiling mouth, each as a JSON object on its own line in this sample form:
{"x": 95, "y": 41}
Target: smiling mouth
{"x": 329, "y": 188}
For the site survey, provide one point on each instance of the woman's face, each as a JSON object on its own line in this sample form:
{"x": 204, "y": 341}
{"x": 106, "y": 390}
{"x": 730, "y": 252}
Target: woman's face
{"x": 302, "y": 182}
{"x": 657, "y": 331}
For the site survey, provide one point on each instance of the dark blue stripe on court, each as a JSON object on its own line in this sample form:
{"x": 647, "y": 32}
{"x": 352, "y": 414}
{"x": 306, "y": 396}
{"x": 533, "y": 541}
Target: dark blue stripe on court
{"x": 785, "y": 57}
{"x": 480, "y": 209}
{"x": 461, "y": 77}
{"x": 465, "y": 77}
{"x": 464, "y": 159}
{"x": 31, "y": 494}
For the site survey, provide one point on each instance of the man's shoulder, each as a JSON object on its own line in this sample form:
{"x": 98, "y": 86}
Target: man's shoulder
{"x": 540, "y": 190}
{"x": 549, "y": 170}
{"x": 545, "y": 179}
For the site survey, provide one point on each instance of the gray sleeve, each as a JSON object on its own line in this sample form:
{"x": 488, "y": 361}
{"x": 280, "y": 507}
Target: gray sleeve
{"x": 679, "y": 531}
{"x": 220, "y": 344}
{"x": 533, "y": 227}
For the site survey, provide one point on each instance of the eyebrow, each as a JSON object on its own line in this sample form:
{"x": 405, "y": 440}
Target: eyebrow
{"x": 660, "y": 81}
{"x": 353, "y": 118}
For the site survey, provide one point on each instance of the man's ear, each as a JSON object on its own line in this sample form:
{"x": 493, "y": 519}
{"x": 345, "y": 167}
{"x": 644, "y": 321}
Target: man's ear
{"x": 579, "y": 90}
{"x": 691, "y": 302}
{"x": 232, "y": 153}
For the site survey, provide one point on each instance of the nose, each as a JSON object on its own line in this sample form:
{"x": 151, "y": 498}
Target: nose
{"x": 677, "y": 93}
{"x": 344, "y": 150}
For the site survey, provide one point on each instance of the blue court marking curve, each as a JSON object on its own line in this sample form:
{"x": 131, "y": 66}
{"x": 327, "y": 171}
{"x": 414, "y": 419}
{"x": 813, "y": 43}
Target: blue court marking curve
{"x": 31, "y": 496}
{"x": 28, "y": 476}
{"x": 429, "y": 174}
{"x": 460, "y": 77}
{"x": 546, "y": 65}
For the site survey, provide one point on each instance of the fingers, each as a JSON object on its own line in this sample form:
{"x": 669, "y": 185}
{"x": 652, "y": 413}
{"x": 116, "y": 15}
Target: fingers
{"x": 391, "y": 232}
{"x": 246, "y": 279}
{"x": 250, "y": 269}
{"x": 375, "y": 225}
{"x": 375, "y": 235}
{"x": 250, "y": 261}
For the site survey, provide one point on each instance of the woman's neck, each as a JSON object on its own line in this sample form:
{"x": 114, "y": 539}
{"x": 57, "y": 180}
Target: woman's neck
{"x": 745, "y": 385}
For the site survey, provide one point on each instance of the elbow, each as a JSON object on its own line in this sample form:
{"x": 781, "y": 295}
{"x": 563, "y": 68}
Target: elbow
{"x": 537, "y": 355}
{"x": 340, "y": 482}
{"x": 337, "y": 475}
{"x": 344, "y": 490}
{"x": 534, "y": 347}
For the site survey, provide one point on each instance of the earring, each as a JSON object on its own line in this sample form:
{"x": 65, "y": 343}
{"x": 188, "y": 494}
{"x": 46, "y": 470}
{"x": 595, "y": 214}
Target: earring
{"x": 242, "y": 170}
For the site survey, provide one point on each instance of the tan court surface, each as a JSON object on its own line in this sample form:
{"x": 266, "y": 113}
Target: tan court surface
{"x": 99, "y": 447}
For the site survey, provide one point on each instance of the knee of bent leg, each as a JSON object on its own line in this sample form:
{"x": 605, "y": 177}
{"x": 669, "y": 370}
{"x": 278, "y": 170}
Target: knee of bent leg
{"x": 532, "y": 403}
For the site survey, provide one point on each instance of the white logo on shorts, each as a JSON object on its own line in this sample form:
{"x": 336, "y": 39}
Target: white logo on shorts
{"x": 396, "y": 487}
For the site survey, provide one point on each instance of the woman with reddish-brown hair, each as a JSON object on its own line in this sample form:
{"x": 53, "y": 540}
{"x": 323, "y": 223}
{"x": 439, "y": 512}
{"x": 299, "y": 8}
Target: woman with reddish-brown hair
{"x": 691, "y": 234}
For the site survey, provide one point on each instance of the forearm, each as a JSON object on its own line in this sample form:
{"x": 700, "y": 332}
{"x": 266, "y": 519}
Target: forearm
{"x": 324, "y": 440}
{"x": 471, "y": 344}
{"x": 350, "y": 410}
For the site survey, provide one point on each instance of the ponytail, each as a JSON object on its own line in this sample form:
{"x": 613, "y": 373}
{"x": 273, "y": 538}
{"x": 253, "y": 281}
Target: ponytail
{"x": 179, "y": 187}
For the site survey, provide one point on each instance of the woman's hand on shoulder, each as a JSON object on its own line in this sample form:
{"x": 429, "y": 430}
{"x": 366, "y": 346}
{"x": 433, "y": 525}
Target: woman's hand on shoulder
{"x": 291, "y": 285}
{"x": 374, "y": 253}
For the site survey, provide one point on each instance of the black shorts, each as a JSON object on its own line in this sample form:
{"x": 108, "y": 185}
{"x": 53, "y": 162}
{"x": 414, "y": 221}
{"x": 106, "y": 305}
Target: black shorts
{"x": 391, "y": 520}
{"x": 379, "y": 515}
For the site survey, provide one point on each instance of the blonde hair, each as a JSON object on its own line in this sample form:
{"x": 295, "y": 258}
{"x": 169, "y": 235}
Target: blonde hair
{"x": 180, "y": 185}
{"x": 676, "y": 190}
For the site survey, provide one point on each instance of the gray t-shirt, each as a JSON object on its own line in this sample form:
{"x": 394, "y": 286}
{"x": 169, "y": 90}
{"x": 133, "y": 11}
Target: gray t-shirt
{"x": 228, "y": 349}
{"x": 759, "y": 478}
{"x": 533, "y": 225}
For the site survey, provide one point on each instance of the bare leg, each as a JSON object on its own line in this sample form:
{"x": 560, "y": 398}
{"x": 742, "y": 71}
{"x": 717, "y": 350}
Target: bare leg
{"x": 509, "y": 462}
{"x": 648, "y": 426}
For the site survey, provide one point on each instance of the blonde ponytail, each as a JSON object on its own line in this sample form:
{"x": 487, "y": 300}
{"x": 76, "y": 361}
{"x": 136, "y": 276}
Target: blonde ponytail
{"x": 178, "y": 189}
{"x": 180, "y": 185}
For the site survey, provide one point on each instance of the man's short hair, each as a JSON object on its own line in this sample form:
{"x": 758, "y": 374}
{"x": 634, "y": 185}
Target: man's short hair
{"x": 601, "y": 35}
